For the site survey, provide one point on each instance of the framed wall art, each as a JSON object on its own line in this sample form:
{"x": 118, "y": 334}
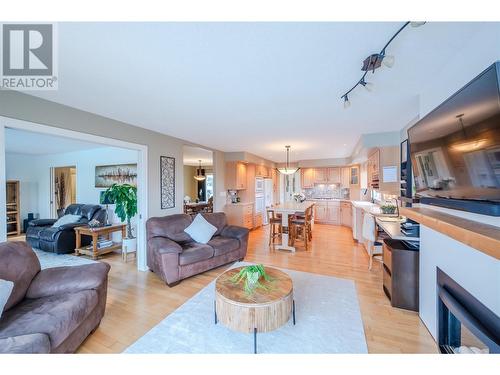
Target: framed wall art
{"x": 167, "y": 182}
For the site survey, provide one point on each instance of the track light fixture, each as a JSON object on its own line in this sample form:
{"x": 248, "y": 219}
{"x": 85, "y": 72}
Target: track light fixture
{"x": 374, "y": 61}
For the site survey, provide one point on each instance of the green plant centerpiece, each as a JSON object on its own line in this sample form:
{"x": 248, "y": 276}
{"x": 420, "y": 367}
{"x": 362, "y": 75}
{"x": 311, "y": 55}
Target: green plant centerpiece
{"x": 124, "y": 196}
{"x": 388, "y": 208}
{"x": 251, "y": 276}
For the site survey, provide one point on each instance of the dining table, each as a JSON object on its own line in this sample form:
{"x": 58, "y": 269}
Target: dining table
{"x": 286, "y": 209}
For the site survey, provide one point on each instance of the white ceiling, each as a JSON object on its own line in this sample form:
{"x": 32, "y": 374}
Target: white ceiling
{"x": 25, "y": 142}
{"x": 193, "y": 155}
{"x": 252, "y": 86}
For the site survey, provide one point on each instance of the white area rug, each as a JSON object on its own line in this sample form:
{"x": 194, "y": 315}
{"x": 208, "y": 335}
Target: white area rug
{"x": 50, "y": 260}
{"x": 328, "y": 321}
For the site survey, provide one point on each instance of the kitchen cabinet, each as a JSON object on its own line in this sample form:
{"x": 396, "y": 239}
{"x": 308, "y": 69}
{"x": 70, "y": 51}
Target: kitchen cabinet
{"x": 236, "y": 176}
{"x": 374, "y": 169}
{"x": 240, "y": 214}
{"x": 354, "y": 175}
{"x": 320, "y": 175}
{"x": 261, "y": 171}
{"x": 346, "y": 214}
{"x": 333, "y": 176}
{"x": 327, "y": 212}
{"x": 345, "y": 177}
{"x": 307, "y": 178}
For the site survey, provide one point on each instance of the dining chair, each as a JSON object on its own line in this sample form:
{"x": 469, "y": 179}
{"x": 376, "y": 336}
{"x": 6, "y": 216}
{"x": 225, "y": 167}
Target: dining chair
{"x": 275, "y": 225}
{"x": 301, "y": 228}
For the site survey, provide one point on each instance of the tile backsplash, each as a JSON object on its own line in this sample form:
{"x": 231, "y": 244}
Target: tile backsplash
{"x": 325, "y": 191}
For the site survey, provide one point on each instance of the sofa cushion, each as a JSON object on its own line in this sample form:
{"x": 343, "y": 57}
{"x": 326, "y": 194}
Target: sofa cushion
{"x": 223, "y": 245}
{"x": 89, "y": 210}
{"x": 200, "y": 229}
{"x": 171, "y": 227}
{"x": 37, "y": 343}
{"x": 57, "y": 316}
{"x": 66, "y": 219}
{"x": 74, "y": 209}
{"x": 195, "y": 252}
{"x": 18, "y": 264}
{"x": 217, "y": 219}
{"x": 34, "y": 232}
{"x": 49, "y": 234}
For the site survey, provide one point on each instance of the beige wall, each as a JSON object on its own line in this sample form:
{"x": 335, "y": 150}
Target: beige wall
{"x": 190, "y": 185}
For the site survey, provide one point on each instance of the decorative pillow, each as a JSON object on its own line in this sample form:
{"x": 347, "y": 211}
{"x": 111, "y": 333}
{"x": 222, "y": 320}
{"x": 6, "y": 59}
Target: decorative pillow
{"x": 66, "y": 219}
{"x": 5, "y": 290}
{"x": 200, "y": 229}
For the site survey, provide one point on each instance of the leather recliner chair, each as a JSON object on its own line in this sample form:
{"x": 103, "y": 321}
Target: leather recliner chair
{"x": 62, "y": 240}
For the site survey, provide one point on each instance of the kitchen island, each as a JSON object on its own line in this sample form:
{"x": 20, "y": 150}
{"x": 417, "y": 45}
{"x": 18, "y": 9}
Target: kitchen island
{"x": 286, "y": 209}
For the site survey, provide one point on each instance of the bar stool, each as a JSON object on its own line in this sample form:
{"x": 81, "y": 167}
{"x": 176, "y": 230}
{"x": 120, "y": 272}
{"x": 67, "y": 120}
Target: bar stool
{"x": 301, "y": 228}
{"x": 275, "y": 225}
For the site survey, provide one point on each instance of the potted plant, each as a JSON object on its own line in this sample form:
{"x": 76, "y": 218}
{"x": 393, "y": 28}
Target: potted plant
{"x": 124, "y": 196}
{"x": 251, "y": 275}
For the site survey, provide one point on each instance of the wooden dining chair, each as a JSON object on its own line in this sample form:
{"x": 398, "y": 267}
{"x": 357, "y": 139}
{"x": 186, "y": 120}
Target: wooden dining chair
{"x": 370, "y": 234}
{"x": 301, "y": 228}
{"x": 275, "y": 225}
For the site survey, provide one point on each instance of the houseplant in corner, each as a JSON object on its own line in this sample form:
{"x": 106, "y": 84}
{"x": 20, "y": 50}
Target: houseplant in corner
{"x": 124, "y": 196}
{"x": 251, "y": 275}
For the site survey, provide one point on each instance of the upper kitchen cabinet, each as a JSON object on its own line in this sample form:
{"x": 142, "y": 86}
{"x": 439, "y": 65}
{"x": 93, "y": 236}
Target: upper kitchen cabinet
{"x": 383, "y": 169}
{"x": 333, "y": 176}
{"x": 307, "y": 178}
{"x": 354, "y": 175}
{"x": 262, "y": 171}
{"x": 345, "y": 177}
{"x": 236, "y": 175}
{"x": 320, "y": 175}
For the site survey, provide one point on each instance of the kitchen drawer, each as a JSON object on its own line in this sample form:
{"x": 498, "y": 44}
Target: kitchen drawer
{"x": 387, "y": 282}
{"x": 248, "y": 209}
{"x": 387, "y": 256}
{"x": 346, "y": 205}
{"x": 258, "y": 220}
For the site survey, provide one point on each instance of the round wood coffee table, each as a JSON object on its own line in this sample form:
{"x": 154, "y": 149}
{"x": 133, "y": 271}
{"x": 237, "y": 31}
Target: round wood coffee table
{"x": 261, "y": 311}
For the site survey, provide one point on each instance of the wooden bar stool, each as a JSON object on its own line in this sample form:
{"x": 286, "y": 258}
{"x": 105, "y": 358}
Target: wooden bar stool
{"x": 275, "y": 225}
{"x": 302, "y": 228}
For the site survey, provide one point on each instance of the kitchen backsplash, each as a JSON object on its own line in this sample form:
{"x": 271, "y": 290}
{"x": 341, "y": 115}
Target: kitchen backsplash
{"x": 326, "y": 191}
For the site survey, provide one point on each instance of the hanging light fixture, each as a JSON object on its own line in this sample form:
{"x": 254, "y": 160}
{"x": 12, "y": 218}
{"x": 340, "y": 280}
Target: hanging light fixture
{"x": 375, "y": 61}
{"x": 287, "y": 170}
{"x": 199, "y": 174}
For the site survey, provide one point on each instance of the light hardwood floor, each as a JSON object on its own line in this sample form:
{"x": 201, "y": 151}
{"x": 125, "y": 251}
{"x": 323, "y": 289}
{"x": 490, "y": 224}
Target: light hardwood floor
{"x": 137, "y": 301}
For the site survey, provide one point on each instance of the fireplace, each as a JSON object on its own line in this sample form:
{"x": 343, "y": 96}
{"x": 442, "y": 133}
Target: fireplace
{"x": 465, "y": 325}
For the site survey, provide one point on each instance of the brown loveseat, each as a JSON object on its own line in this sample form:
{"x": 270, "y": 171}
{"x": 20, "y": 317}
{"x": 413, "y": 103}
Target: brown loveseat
{"x": 51, "y": 310}
{"x": 173, "y": 255}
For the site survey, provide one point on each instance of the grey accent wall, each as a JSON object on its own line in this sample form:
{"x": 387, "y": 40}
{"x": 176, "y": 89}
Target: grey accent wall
{"x": 29, "y": 108}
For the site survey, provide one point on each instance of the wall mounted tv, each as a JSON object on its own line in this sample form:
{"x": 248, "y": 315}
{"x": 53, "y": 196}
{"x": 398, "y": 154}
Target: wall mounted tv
{"x": 455, "y": 149}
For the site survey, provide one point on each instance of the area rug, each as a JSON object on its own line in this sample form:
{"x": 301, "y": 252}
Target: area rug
{"x": 327, "y": 314}
{"x": 50, "y": 260}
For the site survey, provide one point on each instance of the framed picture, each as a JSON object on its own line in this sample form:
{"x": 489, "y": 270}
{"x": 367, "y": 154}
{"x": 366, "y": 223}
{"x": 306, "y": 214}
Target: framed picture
{"x": 167, "y": 182}
{"x": 107, "y": 175}
{"x": 404, "y": 151}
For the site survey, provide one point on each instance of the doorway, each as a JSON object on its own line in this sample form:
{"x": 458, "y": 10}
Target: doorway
{"x": 75, "y": 136}
{"x": 63, "y": 189}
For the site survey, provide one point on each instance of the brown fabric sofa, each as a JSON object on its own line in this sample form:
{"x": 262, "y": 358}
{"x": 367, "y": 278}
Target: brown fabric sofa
{"x": 173, "y": 255}
{"x": 51, "y": 310}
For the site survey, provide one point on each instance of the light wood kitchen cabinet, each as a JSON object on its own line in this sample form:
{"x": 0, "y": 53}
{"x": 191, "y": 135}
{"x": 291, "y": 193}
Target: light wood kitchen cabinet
{"x": 240, "y": 214}
{"x": 320, "y": 175}
{"x": 354, "y": 175}
{"x": 346, "y": 214}
{"x": 236, "y": 176}
{"x": 333, "y": 176}
{"x": 262, "y": 171}
{"x": 374, "y": 169}
{"x": 327, "y": 212}
{"x": 345, "y": 177}
{"x": 307, "y": 178}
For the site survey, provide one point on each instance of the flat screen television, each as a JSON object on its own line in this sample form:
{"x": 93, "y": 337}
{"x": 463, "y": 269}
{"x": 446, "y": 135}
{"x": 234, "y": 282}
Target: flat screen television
{"x": 455, "y": 149}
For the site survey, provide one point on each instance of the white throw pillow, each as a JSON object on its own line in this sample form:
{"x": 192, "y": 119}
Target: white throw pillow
{"x": 67, "y": 219}
{"x": 200, "y": 229}
{"x": 5, "y": 290}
